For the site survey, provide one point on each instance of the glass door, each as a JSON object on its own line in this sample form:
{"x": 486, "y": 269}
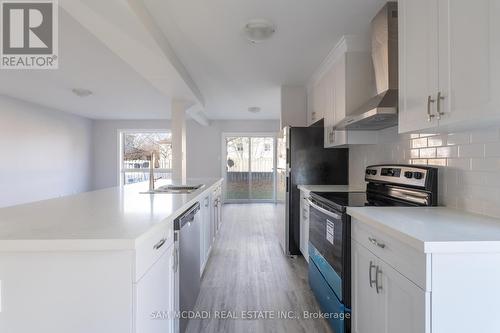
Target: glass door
{"x": 250, "y": 168}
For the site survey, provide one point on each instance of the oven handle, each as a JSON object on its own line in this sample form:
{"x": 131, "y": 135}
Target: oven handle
{"x": 324, "y": 211}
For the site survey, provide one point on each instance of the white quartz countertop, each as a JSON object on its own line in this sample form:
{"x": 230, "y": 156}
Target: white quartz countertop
{"x": 434, "y": 229}
{"x": 116, "y": 218}
{"x": 332, "y": 188}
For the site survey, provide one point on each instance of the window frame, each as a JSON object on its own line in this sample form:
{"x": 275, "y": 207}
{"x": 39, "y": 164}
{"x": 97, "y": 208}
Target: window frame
{"x": 121, "y": 171}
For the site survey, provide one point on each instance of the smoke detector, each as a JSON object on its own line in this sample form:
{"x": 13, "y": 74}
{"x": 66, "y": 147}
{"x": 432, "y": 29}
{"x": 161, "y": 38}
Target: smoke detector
{"x": 81, "y": 92}
{"x": 259, "y": 30}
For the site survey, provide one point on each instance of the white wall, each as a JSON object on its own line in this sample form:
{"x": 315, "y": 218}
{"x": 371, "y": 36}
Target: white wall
{"x": 203, "y": 145}
{"x": 468, "y": 162}
{"x": 106, "y": 147}
{"x": 44, "y": 153}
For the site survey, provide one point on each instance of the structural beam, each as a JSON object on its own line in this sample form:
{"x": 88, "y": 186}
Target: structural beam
{"x": 139, "y": 9}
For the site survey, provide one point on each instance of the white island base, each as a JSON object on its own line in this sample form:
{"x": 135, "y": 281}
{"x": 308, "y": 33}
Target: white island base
{"x": 114, "y": 273}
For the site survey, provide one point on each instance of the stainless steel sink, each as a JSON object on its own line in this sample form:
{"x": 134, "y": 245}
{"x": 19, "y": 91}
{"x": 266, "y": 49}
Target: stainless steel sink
{"x": 175, "y": 189}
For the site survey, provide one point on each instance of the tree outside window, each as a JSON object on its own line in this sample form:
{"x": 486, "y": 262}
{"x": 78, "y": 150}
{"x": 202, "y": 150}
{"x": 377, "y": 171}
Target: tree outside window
{"x": 136, "y": 151}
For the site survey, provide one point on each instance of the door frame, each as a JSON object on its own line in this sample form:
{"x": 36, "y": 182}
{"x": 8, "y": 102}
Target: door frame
{"x": 250, "y": 135}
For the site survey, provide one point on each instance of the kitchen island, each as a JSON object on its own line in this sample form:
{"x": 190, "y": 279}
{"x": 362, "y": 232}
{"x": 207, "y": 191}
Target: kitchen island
{"x": 101, "y": 261}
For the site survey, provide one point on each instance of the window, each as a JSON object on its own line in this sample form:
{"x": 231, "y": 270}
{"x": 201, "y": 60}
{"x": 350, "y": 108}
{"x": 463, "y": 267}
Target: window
{"x": 136, "y": 148}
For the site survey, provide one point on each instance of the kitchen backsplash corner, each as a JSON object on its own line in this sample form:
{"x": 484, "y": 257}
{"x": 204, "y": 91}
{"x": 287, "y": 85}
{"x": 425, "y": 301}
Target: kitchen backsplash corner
{"x": 468, "y": 163}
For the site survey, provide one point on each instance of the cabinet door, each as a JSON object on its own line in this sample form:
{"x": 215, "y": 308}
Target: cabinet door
{"x": 367, "y": 315}
{"x": 206, "y": 222}
{"x": 402, "y": 302}
{"x": 469, "y": 60}
{"x": 154, "y": 305}
{"x": 329, "y": 115}
{"x": 418, "y": 63}
{"x": 339, "y": 89}
{"x": 319, "y": 98}
{"x": 205, "y": 241}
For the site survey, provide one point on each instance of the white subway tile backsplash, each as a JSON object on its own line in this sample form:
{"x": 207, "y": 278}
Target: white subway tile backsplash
{"x": 483, "y": 136}
{"x": 447, "y": 152}
{"x": 458, "y": 139}
{"x": 468, "y": 162}
{"x": 436, "y": 141}
{"x": 419, "y": 143}
{"x": 472, "y": 150}
{"x": 419, "y": 161}
{"x": 459, "y": 163}
{"x": 468, "y": 178}
{"x": 427, "y": 152}
{"x": 415, "y": 153}
{"x": 492, "y": 149}
{"x": 485, "y": 164}
{"x": 436, "y": 161}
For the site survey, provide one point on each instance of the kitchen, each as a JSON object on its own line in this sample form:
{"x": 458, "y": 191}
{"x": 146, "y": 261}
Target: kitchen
{"x": 329, "y": 166}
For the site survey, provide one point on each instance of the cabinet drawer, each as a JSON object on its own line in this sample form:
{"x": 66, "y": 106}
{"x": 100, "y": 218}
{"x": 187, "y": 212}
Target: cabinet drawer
{"x": 152, "y": 246}
{"x": 402, "y": 257}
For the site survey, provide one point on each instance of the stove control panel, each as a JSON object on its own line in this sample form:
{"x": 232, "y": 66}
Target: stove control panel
{"x": 397, "y": 174}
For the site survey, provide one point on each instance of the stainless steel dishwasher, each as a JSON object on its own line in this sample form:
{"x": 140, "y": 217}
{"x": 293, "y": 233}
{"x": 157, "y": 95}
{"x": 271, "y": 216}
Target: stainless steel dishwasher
{"x": 187, "y": 279}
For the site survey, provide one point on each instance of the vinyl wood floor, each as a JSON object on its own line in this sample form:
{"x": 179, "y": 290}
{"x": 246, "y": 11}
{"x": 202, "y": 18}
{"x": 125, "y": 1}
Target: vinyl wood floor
{"x": 248, "y": 272}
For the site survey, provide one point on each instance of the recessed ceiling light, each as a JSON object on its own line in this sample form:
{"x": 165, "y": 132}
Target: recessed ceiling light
{"x": 258, "y": 30}
{"x": 254, "y": 109}
{"x": 80, "y": 92}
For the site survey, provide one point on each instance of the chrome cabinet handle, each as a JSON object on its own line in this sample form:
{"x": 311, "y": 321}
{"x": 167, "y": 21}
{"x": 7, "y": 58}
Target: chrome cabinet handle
{"x": 374, "y": 241}
{"x": 372, "y": 281}
{"x": 158, "y": 245}
{"x": 439, "y": 99}
{"x": 378, "y": 287}
{"x": 429, "y": 114}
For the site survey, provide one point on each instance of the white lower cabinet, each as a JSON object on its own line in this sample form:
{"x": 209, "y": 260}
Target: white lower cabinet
{"x": 384, "y": 301}
{"x": 206, "y": 233}
{"x": 155, "y": 298}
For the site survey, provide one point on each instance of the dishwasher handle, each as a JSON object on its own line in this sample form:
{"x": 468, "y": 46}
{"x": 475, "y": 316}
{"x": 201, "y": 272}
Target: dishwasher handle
{"x": 186, "y": 217}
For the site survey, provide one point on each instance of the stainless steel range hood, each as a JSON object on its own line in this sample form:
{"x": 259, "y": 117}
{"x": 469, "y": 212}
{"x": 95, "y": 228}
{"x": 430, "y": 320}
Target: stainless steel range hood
{"x": 380, "y": 111}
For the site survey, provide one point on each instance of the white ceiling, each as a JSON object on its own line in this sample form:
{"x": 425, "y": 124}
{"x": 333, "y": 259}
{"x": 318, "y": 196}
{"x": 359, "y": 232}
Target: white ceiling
{"x": 234, "y": 74}
{"x": 118, "y": 91}
{"x": 231, "y": 73}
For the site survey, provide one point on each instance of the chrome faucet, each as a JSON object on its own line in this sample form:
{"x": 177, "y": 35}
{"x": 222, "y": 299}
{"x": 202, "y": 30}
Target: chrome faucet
{"x": 152, "y": 179}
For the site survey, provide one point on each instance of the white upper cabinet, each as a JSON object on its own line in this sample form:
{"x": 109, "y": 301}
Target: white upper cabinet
{"x": 418, "y": 64}
{"x": 340, "y": 86}
{"x": 469, "y": 61}
{"x": 449, "y": 64}
{"x": 318, "y": 95}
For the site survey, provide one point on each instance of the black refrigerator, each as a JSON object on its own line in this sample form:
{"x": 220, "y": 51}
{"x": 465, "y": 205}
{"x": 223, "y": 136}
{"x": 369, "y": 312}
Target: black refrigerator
{"x": 303, "y": 160}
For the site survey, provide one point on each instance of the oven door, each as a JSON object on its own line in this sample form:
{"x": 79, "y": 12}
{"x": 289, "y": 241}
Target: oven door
{"x": 329, "y": 240}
